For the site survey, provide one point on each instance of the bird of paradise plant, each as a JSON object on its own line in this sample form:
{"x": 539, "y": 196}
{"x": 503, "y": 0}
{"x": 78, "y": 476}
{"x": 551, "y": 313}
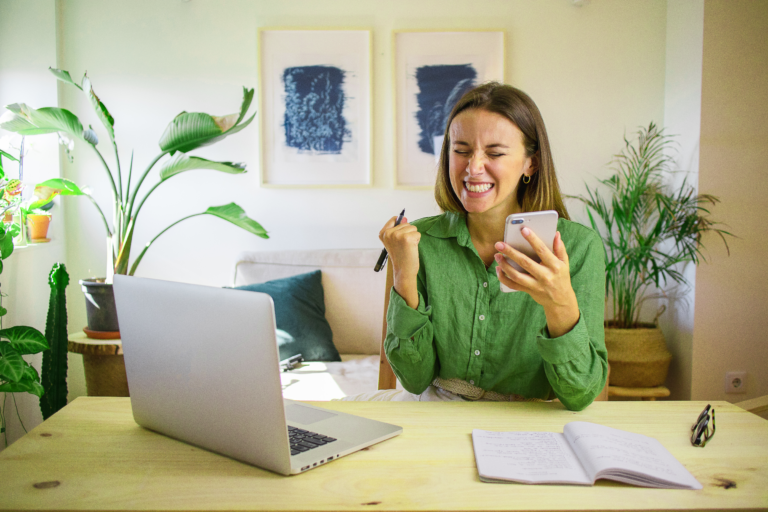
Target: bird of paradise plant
{"x": 186, "y": 132}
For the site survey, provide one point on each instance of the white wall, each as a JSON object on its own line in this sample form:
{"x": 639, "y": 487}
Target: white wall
{"x": 682, "y": 118}
{"x": 27, "y": 48}
{"x": 731, "y": 318}
{"x": 595, "y": 71}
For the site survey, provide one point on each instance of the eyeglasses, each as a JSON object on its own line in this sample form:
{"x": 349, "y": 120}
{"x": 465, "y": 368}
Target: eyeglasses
{"x": 704, "y": 428}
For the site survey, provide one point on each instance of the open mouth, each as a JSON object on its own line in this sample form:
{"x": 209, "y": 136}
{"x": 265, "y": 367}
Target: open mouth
{"x": 478, "y": 187}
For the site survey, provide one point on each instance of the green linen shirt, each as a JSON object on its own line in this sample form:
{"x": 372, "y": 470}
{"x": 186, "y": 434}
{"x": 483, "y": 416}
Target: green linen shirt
{"x": 465, "y": 327}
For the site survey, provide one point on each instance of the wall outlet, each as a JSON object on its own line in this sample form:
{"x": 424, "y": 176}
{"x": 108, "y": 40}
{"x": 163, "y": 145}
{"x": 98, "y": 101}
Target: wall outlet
{"x": 736, "y": 382}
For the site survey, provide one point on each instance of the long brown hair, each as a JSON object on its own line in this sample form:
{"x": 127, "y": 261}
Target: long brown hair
{"x": 543, "y": 191}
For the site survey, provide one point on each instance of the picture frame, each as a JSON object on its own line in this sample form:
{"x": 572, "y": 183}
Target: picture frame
{"x": 431, "y": 71}
{"x": 315, "y": 105}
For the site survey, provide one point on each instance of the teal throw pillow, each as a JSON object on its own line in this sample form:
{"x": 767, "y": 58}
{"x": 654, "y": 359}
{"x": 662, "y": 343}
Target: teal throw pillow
{"x": 300, "y": 316}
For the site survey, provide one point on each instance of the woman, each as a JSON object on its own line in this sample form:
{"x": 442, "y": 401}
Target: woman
{"x": 452, "y": 332}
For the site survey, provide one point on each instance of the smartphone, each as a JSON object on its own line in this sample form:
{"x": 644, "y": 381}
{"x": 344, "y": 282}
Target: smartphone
{"x": 544, "y": 224}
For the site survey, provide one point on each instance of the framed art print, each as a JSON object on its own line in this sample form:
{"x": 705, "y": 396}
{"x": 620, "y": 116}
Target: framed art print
{"x": 432, "y": 71}
{"x": 315, "y": 107}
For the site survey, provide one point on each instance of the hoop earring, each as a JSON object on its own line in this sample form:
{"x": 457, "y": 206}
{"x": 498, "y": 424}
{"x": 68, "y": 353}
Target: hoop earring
{"x": 526, "y": 181}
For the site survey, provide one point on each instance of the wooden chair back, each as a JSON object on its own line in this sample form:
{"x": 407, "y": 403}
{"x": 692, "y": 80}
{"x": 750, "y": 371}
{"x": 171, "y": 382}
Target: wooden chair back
{"x": 387, "y": 379}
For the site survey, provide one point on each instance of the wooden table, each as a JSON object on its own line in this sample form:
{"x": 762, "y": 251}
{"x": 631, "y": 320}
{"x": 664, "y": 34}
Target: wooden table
{"x": 92, "y": 456}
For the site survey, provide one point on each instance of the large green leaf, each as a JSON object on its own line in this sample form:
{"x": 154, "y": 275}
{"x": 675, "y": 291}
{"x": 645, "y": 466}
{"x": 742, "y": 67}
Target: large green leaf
{"x": 233, "y": 213}
{"x": 30, "y": 373}
{"x": 49, "y": 189}
{"x": 6, "y": 246}
{"x": 182, "y": 162}
{"x": 190, "y": 130}
{"x": 246, "y": 104}
{"x": 12, "y": 365}
{"x": 8, "y": 155}
{"x": 24, "y": 385}
{"x": 25, "y": 339}
{"x": 25, "y": 120}
{"x": 62, "y": 186}
{"x": 101, "y": 110}
{"x": 64, "y": 76}
{"x": 18, "y": 124}
{"x": 230, "y": 212}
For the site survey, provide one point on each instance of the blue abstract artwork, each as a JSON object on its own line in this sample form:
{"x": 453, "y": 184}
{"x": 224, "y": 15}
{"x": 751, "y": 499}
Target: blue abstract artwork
{"x": 440, "y": 87}
{"x": 314, "y": 109}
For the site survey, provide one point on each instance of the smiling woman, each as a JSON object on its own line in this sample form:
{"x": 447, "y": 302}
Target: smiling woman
{"x": 487, "y": 161}
{"x": 452, "y": 332}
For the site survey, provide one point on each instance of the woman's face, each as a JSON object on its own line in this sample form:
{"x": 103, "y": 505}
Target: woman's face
{"x": 486, "y": 161}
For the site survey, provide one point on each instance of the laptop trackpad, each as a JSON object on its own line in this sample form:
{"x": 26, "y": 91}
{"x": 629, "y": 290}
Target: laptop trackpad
{"x": 306, "y": 415}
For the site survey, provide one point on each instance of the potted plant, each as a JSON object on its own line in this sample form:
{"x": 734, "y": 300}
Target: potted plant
{"x": 16, "y": 375}
{"x": 186, "y": 132}
{"x": 38, "y": 221}
{"x": 650, "y": 230}
{"x": 9, "y": 192}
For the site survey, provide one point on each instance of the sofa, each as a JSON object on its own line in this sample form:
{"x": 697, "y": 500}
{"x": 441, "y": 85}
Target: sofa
{"x": 354, "y": 307}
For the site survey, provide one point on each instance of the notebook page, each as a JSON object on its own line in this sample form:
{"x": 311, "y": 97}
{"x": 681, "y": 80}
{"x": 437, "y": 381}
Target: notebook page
{"x": 617, "y": 454}
{"x": 528, "y": 457}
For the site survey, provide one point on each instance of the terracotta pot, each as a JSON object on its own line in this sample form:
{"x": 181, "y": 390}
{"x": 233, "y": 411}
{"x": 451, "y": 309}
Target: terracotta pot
{"x": 38, "y": 226}
{"x": 639, "y": 357}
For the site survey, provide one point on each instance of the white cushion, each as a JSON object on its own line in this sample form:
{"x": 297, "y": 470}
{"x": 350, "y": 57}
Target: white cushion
{"x": 354, "y": 293}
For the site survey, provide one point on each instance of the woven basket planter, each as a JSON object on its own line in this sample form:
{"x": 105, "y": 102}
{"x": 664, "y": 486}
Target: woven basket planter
{"x": 639, "y": 357}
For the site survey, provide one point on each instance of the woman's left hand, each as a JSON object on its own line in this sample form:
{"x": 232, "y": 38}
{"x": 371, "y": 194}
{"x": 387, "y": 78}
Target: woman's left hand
{"x": 548, "y": 282}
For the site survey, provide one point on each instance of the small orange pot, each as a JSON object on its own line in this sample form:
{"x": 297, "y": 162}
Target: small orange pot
{"x": 37, "y": 226}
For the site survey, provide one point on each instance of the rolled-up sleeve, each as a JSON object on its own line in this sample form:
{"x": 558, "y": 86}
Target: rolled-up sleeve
{"x": 409, "y": 344}
{"x": 576, "y": 363}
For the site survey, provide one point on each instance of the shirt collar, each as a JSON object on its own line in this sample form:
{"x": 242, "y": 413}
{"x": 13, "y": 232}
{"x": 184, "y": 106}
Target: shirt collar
{"x": 452, "y": 225}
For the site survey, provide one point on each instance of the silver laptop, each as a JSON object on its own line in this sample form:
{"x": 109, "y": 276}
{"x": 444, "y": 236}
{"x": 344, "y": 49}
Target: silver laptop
{"x": 203, "y": 367}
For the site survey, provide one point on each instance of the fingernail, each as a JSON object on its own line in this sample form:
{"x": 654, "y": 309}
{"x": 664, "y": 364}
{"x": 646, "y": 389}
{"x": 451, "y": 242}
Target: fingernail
{"x": 526, "y": 231}
{"x": 498, "y": 257}
{"x": 499, "y": 246}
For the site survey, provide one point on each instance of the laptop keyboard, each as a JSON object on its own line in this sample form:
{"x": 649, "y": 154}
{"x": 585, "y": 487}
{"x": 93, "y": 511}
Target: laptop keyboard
{"x": 304, "y": 440}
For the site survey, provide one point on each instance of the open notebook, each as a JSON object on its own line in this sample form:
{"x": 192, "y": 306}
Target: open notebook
{"x": 582, "y": 454}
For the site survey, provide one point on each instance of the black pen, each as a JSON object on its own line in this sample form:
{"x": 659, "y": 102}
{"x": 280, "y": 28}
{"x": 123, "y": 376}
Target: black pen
{"x": 383, "y": 257}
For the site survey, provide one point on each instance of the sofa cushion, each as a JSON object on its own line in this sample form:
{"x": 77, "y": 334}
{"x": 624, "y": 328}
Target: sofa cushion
{"x": 354, "y": 293}
{"x": 300, "y": 316}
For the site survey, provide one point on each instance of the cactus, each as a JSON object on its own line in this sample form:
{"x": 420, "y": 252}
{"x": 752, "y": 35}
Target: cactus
{"x": 54, "y": 378}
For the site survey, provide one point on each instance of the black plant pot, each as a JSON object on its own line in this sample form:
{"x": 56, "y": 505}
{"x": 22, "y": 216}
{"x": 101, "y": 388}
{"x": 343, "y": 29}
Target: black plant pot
{"x": 100, "y": 305}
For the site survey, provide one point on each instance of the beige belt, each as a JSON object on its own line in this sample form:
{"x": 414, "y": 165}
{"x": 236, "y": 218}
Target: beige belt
{"x": 472, "y": 392}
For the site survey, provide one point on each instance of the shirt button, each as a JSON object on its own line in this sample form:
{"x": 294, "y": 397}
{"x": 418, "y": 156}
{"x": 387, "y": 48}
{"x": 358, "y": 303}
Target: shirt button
{"x": 472, "y": 382}
{"x": 482, "y": 317}
{"x": 477, "y": 352}
{"x": 485, "y": 285}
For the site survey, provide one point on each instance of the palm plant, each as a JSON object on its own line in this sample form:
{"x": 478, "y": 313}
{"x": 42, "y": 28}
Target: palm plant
{"x": 187, "y": 131}
{"x": 649, "y": 229}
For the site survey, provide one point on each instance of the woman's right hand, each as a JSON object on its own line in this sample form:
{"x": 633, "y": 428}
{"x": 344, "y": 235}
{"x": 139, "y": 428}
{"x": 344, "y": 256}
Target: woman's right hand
{"x": 402, "y": 244}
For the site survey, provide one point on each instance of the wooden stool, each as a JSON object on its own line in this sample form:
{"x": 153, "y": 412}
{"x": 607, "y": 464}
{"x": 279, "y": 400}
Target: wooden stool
{"x": 103, "y": 364}
{"x": 647, "y": 394}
